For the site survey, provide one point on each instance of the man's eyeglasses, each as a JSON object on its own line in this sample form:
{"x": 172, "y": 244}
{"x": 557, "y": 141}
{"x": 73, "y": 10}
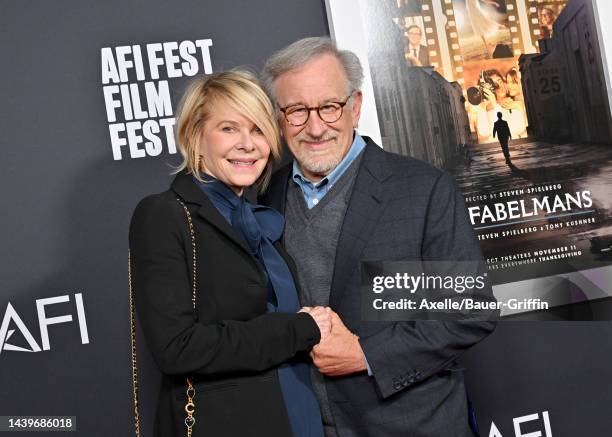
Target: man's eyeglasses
{"x": 330, "y": 112}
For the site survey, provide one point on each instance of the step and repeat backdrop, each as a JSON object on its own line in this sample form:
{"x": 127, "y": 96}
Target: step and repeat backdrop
{"x": 89, "y": 93}
{"x": 87, "y": 107}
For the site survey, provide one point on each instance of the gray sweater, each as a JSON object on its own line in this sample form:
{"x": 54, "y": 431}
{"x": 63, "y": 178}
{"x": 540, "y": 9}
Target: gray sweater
{"x": 311, "y": 237}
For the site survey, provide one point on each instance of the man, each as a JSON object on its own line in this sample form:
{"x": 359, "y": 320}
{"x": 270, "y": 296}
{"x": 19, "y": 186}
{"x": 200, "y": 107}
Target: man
{"x": 417, "y": 53}
{"x": 347, "y": 200}
{"x": 501, "y": 128}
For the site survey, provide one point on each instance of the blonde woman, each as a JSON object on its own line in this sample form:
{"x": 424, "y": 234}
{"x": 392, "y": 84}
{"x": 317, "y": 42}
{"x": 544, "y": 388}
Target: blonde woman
{"x": 229, "y": 337}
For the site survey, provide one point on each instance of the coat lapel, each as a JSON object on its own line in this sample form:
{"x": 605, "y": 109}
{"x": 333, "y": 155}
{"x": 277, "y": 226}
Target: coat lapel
{"x": 276, "y": 194}
{"x": 187, "y": 190}
{"x": 290, "y": 264}
{"x": 366, "y": 204}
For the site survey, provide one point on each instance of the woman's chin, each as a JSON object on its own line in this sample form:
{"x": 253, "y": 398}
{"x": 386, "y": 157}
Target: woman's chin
{"x": 243, "y": 176}
{"x": 240, "y": 182}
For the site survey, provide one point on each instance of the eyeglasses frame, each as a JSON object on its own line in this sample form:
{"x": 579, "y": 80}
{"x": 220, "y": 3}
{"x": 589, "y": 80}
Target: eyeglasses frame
{"x": 317, "y": 108}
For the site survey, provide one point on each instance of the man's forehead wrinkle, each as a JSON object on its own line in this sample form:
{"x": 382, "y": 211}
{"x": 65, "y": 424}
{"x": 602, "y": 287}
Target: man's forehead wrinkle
{"x": 309, "y": 92}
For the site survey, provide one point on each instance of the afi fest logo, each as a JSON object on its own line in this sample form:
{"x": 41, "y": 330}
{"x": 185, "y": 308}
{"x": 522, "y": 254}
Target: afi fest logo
{"x": 518, "y": 421}
{"x": 43, "y": 322}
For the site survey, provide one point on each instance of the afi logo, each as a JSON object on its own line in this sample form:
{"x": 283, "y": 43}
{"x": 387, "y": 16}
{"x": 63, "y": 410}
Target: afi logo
{"x": 43, "y": 321}
{"x": 518, "y": 421}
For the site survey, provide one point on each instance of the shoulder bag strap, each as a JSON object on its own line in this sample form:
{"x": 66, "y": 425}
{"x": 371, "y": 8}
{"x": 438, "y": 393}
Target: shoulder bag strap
{"x": 190, "y": 391}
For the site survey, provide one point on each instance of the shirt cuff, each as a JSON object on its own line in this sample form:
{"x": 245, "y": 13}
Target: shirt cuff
{"x": 367, "y": 365}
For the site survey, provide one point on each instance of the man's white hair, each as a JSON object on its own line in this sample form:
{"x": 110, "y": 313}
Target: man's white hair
{"x": 305, "y": 50}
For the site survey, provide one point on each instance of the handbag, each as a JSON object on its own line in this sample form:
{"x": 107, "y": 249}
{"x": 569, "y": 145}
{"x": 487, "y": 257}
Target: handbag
{"x": 190, "y": 391}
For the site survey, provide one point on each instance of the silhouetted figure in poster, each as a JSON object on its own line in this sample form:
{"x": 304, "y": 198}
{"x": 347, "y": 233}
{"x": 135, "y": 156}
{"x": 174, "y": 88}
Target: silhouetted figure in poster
{"x": 502, "y": 130}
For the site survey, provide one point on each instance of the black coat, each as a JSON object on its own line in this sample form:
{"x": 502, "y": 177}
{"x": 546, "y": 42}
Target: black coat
{"x": 400, "y": 209}
{"x": 230, "y": 344}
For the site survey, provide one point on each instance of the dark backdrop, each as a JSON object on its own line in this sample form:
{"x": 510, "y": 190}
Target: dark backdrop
{"x": 66, "y": 206}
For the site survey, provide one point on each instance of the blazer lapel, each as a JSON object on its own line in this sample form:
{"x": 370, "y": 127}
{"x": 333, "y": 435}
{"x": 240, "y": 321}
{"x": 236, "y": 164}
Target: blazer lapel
{"x": 276, "y": 194}
{"x": 184, "y": 186}
{"x": 366, "y": 204}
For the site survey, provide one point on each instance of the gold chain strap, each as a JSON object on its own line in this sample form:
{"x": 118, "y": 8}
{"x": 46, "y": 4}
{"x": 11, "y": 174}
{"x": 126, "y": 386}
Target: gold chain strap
{"x": 133, "y": 350}
{"x": 190, "y": 392}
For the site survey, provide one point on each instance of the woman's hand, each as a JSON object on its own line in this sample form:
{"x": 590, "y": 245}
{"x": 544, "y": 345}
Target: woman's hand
{"x": 322, "y": 317}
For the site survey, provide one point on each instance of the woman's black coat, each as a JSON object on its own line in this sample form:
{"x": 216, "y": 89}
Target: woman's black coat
{"x": 229, "y": 344}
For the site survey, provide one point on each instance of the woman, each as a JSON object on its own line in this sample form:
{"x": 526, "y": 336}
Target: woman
{"x": 547, "y": 19}
{"x": 232, "y": 326}
{"x": 482, "y": 25}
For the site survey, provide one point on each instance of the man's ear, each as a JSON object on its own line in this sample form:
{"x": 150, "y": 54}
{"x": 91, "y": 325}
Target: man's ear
{"x": 356, "y": 108}
{"x": 280, "y": 125}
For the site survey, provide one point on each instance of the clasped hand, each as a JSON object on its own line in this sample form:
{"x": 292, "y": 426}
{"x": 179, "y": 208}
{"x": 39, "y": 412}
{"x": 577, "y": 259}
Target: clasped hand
{"x": 338, "y": 352}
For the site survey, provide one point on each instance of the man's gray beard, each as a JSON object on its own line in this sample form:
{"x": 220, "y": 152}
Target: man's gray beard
{"x": 319, "y": 167}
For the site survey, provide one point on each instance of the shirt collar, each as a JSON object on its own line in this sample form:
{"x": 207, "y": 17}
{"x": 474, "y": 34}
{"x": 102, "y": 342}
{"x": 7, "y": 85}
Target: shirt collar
{"x": 354, "y": 151}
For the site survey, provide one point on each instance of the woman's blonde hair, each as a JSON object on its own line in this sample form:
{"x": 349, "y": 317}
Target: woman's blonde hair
{"x": 242, "y": 90}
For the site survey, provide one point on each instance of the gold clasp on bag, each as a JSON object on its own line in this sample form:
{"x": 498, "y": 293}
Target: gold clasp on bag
{"x": 189, "y": 407}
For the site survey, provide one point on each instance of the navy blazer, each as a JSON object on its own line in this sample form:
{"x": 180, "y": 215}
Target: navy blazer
{"x": 400, "y": 209}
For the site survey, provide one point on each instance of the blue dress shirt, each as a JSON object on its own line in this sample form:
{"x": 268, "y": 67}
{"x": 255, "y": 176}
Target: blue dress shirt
{"x": 315, "y": 191}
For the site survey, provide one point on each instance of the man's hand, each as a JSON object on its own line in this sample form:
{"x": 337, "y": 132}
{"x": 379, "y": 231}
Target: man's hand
{"x": 322, "y": 318}
{"x": 490, "y": 98}
{"x": 339, "y": 353}
{"x": 413, "y": 60}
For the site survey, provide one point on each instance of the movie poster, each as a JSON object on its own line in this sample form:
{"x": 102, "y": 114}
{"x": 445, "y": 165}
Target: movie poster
{"x": 508, "y": 96}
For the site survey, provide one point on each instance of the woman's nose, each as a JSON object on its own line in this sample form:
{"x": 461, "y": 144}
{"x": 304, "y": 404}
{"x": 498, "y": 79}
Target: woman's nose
{"x": 246, "y": 142}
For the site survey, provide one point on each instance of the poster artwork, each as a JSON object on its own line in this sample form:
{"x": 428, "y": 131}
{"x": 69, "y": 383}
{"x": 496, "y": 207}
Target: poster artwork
{"x": 509, "y": 97}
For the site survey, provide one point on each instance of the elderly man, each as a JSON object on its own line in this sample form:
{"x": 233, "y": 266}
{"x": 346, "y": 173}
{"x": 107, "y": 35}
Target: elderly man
{"x": 347, "y": 200}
